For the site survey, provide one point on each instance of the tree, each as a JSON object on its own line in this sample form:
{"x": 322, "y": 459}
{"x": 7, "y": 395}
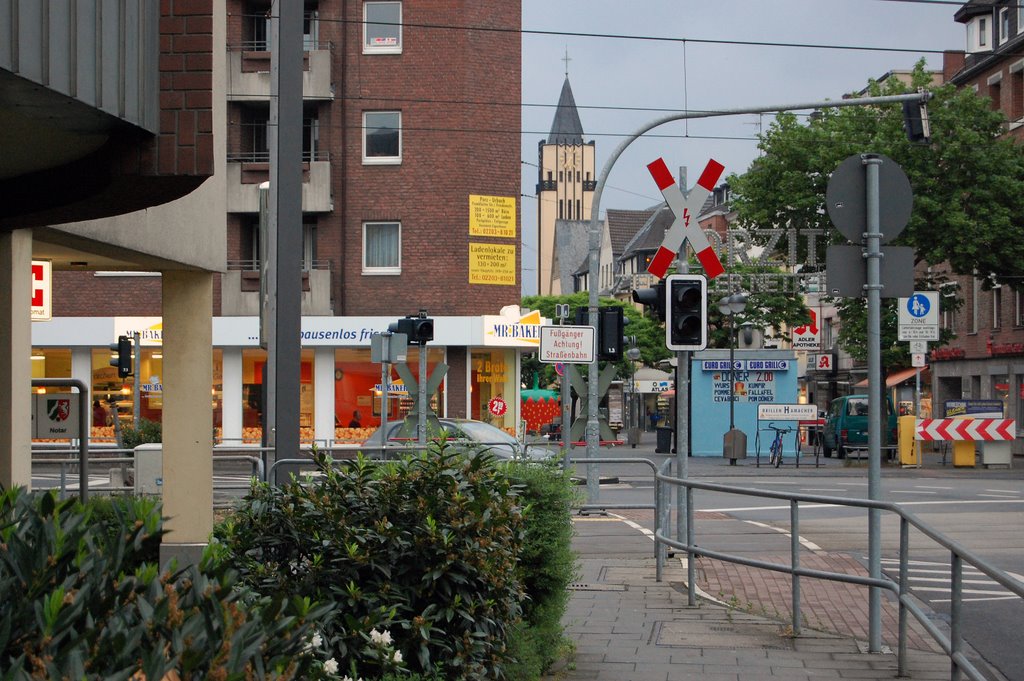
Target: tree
{"x": 650, "y": 334}
{"x": 968, "y": 186}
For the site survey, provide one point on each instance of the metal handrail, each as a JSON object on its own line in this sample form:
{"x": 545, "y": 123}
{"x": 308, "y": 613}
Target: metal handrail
{"x": 952, "y": 644}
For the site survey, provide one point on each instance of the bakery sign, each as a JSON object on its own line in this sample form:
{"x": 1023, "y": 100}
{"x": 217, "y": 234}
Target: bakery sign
{"x": 513, "y": 329}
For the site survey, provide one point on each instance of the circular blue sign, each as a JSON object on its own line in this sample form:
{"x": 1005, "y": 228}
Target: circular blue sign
{"x": 918, "y": 305}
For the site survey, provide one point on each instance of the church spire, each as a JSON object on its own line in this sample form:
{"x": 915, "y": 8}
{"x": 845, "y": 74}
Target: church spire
{"x": 566, "y": 128}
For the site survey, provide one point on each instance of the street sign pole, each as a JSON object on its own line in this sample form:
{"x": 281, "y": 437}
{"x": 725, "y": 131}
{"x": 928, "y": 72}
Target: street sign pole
{"x": 873, "y": 253}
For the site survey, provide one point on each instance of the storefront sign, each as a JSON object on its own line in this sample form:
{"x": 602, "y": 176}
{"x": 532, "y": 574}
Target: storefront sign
{"x": 513, "y": 329}
{"x": 492, "y": 264}
{"x": 787, "y": 412}
{"x": 745, "y": 365}
{"x": 976, "y": 408}
{"x": 42, "y": 290}
{"x": 654, "y": 386}
{"x": 492, "y": 216}
{"x": 150, "y": 329}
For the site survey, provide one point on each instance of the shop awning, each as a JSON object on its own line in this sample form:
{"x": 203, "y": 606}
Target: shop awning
{"x": 894, "y": 378}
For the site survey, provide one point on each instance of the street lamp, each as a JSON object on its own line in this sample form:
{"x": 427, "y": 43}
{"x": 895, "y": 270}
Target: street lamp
{"x": 735, "y": 443}
{"x": 633, "y": 354}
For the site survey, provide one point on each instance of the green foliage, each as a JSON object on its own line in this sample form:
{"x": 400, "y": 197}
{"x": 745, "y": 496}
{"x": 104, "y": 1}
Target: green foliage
{"x": 147, "y": 432}
{"x": 968, "y": 183}
{"x": 547, "y": 566}
{"x": 767, "y": 311}
{"x": 80, "y": 599}
{"x": 426, "y": 549}
{"x": 650, "y": 334}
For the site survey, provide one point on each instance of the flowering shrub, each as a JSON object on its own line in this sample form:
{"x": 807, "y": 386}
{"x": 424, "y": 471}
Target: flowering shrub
{"x": 425, "y": 549}
{"x": 81, "y": 597}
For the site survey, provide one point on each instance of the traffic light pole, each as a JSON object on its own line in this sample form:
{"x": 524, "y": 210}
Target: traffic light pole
{"x": 137, "y": 382}
{"x": 594, "y": 234}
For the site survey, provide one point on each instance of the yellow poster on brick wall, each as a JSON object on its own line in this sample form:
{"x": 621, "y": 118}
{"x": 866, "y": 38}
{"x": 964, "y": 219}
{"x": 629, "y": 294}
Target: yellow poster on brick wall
{"x": 492, "y": 264}
{"x": 492, "y": 216}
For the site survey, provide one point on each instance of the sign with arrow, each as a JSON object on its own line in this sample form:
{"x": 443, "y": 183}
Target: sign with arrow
{"x": 685, "y": 227}
{"x": 966, "y": 429}
{"x": 807, "y": 336}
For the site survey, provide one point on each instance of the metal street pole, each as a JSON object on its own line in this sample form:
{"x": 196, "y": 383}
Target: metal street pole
{"x": 873, "y": 253}
{"x": 594, "y": 235}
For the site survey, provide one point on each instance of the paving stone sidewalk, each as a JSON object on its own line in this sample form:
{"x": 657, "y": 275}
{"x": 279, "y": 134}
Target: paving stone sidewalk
{"x": 629, "y": 627}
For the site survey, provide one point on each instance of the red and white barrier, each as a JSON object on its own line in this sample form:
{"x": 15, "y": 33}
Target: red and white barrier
{"x": 966, "y": 429}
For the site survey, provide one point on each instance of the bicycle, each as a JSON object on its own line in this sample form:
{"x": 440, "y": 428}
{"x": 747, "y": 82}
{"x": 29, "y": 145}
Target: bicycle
{"x": 775, "y": 450}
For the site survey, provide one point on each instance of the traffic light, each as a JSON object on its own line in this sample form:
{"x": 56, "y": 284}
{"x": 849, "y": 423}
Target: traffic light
{"x": 653, "y": 299}
{"x": 686, "y": 326}
{"x": 609, "y": 334}
{"x": 915, "y": 122}
{"x": 123, "y": 361}
{"x": 418, "y": 328}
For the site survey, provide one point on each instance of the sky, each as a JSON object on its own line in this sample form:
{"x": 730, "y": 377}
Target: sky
{"x": 622, "y": 84}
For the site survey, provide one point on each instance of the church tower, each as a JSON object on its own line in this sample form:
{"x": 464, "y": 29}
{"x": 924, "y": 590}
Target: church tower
{"x": 565, "y": 185}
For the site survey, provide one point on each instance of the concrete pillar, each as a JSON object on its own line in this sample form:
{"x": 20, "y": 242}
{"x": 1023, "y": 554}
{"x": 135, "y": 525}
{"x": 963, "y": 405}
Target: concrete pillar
{"x": 323, "y": 395}
{"x": 16, "y": 358}
{"x": 187, "y": 411}
{"x": 232, "y": 398}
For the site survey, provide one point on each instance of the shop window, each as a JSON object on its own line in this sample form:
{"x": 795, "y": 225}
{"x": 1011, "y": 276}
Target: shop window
{"x": 382, "y": 28}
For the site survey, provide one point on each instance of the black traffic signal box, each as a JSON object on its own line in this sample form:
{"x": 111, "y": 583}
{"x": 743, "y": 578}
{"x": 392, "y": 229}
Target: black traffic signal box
{"x": 686, "y": 326}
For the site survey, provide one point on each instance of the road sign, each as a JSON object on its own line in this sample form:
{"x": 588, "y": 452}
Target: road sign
{"x": 807, "y": 336}
{"x": 846, "y": 273}
{"x": 917, "y": 359}
{"x": 845, "y": 198}
{"x": 568, "y": 344}
{"x": 919, "y": 316}
{"x": 685, "y": 227}
{"x": 787, "y": 412}
{"x": 918, "y": 347}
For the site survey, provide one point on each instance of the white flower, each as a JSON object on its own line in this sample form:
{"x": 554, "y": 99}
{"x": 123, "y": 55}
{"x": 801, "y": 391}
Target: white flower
{"x": 317, "y": 640}
{"x": 398, "y": 656}
{"x": 331, "y": 666}
{"x": 381, "y": 639}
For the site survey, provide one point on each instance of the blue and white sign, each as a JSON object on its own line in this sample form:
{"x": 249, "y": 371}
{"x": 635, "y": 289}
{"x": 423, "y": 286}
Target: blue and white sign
{"x": 919, "y": 316}
{"x": 745, "y": 365}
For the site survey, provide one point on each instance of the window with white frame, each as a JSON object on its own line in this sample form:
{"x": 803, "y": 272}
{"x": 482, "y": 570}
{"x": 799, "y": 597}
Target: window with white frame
{"x": 997, "y": 307}
{"x": 1004, "y": 25}
{"x": 1018, "y": 309}
{"x": 975, "y": 289}
{"x": 382, "y": 137}
{"x": 1020, "y": 18}
{"x": 382, "y": 27}
{"x": 382, "y": 248}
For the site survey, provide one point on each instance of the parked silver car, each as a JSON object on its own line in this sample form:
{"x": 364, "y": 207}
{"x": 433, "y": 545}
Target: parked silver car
{"x": 465, "y": 434}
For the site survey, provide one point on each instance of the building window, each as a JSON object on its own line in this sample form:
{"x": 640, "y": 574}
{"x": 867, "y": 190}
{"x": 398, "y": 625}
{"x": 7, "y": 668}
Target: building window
{"x": 1020, "y": 18}
{"x": 382, "y": 137}
{"x": 1018, "y": 310}
{"x": 382, "y": 28}
{"x": 1004, "y": 25}
{"x": 997, "y": 307}
{"x": 382, "y": 248}
{"x": 983, "y": 32}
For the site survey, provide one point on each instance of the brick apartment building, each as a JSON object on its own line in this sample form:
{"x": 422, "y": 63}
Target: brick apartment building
{"x": 410, "y": 201}
{"x": 986, "y": 359}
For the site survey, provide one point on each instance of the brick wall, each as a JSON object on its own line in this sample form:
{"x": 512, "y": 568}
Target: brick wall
{"x": 449, "y": 151}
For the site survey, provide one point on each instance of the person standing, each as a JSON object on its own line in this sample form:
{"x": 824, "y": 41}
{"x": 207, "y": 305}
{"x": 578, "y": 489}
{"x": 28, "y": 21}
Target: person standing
{"x": 99, "y": 414}
{"x": 356, "y": 421}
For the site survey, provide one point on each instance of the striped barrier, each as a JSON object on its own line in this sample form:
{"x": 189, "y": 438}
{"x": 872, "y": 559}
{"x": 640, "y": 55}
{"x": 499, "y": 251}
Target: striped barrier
{"x": 982, "y": 430}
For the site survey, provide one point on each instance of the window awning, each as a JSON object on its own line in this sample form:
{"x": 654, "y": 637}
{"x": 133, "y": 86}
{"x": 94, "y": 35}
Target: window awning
{"x": 894, "y": 378}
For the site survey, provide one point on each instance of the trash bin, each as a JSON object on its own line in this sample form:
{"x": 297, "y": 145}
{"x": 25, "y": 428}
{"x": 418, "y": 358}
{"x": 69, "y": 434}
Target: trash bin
{"x": 734, "y": 445}
{"x": 664, "y": 445}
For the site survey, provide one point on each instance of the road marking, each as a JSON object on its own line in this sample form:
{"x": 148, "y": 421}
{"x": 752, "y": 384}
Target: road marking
{"x": 1004, "y": 491}
{"x": 975, "y": 600}
{"x": 806, "y": 543}
{"x": 822, "y": 489}
{"x": 741, "y": 509}
{"x": 910, "y": 491}
{"x": 931, "y": 487}
{"x": 996, "y": 496}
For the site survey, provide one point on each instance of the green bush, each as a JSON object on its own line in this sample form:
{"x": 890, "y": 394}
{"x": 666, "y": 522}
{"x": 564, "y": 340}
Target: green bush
{"x": 79, "y": 599}
{"x": 147, "y": 432}
{"x": 426, "y": 549}
{"x": 547, "y": 566}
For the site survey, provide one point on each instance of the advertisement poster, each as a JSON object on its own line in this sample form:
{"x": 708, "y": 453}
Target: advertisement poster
{"x": 492, "y": 216}
{"x": 750, "y": 386}
{"x": 492, "y": 264}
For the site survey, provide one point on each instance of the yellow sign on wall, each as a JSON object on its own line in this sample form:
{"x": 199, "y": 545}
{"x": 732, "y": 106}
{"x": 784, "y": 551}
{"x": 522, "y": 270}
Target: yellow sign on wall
{"x": 492, "y": 216}
{"x": 492, "y": 264}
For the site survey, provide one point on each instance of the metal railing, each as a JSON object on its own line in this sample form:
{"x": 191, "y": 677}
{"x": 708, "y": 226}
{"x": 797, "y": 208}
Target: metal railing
{"x": 952, "y": 645}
